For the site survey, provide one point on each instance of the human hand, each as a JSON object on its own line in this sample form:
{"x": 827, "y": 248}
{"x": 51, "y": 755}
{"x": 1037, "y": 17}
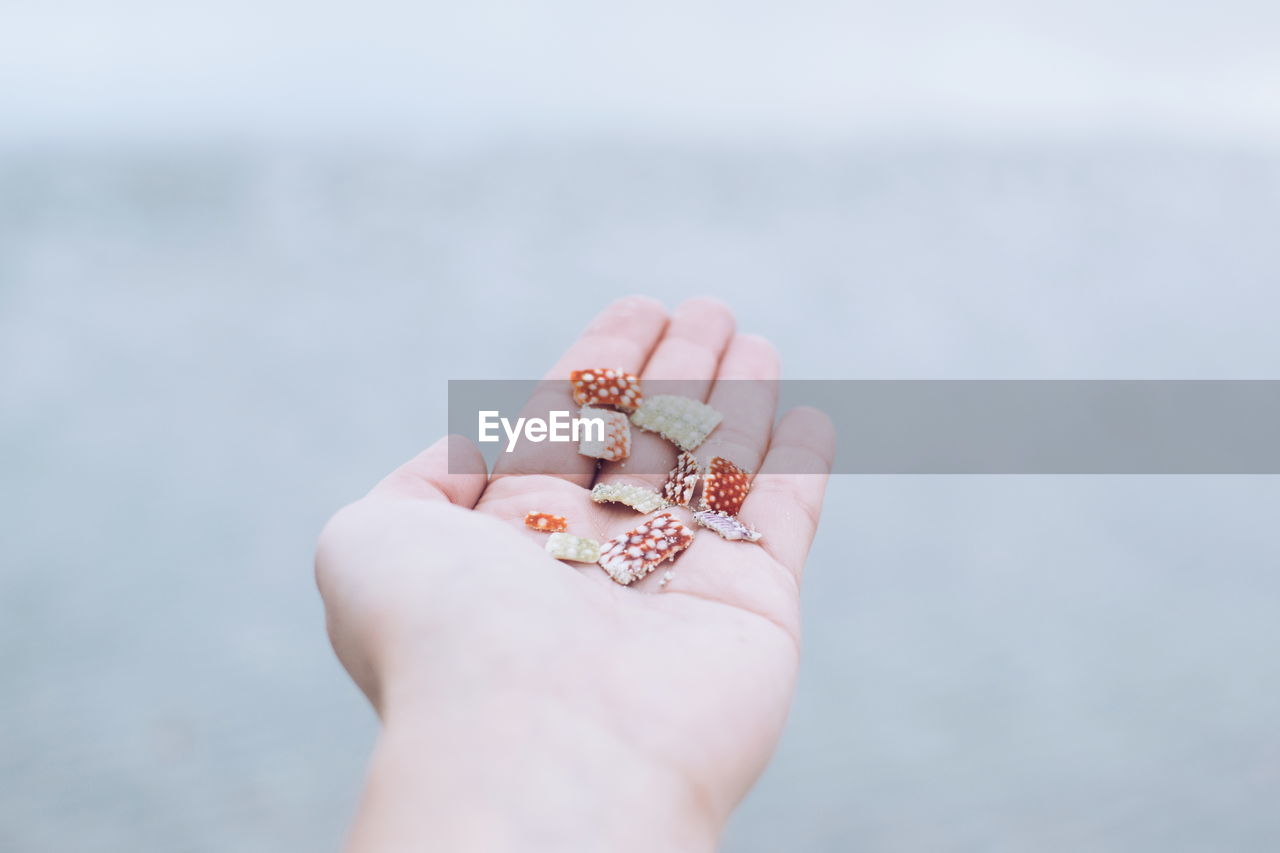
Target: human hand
{"x": 533, "y": 704}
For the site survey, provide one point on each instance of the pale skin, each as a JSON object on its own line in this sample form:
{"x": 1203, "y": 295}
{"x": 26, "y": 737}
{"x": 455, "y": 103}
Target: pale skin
{"x": 531, "y": 704}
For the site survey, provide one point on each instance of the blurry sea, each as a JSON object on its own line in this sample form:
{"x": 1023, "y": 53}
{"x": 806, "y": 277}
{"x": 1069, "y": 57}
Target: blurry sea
{"x": 205, "y": 351}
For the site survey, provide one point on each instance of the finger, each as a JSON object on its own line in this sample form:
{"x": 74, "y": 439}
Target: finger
{"x": 684, "y": 363}
{"x": 785, "y": 501}
{"x": 452, "y": 470}
{"x": 746, "y": 394}
{"x": 691, "y": 349}
{"x": 622, "y": 336}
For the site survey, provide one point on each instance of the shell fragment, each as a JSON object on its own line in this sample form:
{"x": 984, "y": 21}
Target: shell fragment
{"x": 681, "y": 420}
{"x": 606, "y": 386}
{"x": 566, "y": 546}
{"x": 611, "y": 443}
{"x": 634, "y": 554}
{"x": 724, "y": 486}
{"x": 638, "y": 498}
{"x": 545, "y": 522}
{"x": 727, "y": 526}
{"x": 683, "y": 479}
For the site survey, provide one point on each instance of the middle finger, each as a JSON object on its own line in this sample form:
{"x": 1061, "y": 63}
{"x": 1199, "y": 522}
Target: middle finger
{"x": 689, "y": 353}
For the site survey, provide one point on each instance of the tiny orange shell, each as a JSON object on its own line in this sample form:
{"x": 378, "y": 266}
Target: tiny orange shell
{"x": 724, "y": 486}
{"x": 606, "y": 386}
{"x": 545, "y": 522}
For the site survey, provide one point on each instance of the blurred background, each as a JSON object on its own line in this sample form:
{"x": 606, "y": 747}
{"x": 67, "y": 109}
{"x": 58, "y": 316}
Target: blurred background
{"x": 244, "y": 245}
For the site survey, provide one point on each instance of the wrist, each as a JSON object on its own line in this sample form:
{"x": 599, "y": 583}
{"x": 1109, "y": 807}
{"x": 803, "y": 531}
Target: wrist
{"x": 521, "y": 773}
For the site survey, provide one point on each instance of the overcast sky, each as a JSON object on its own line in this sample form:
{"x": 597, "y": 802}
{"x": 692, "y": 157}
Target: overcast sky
{"x": 802, "y": 69}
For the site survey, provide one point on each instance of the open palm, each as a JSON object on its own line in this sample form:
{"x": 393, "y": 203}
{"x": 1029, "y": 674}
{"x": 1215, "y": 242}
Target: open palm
{"x": 435, "y": 590}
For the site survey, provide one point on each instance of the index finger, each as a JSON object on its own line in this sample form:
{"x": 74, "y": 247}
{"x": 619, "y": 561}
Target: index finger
{"x": 621, "y": 336}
